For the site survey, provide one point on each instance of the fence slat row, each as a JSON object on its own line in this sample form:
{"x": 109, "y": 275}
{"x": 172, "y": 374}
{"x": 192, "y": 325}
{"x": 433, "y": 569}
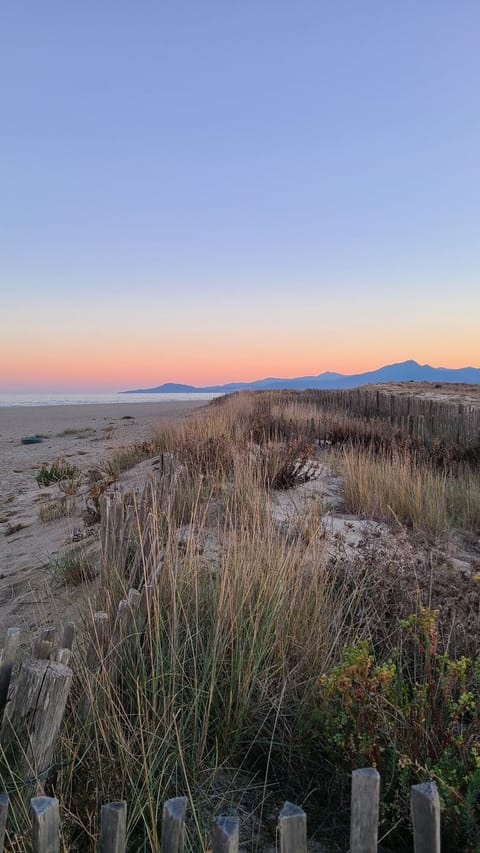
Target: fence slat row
{"x": 225, "y": 836}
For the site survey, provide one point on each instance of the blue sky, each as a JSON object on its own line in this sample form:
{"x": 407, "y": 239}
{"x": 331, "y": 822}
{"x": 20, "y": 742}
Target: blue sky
{"x": 227, "y": 190}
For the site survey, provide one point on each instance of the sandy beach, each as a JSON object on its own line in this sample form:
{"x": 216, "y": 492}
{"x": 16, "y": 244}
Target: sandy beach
{"x": 31, "y": 592}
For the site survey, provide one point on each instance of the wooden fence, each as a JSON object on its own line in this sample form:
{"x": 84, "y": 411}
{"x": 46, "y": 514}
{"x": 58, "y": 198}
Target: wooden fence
{"x": 429, "y": 419}
{"x": 292, "y": 822}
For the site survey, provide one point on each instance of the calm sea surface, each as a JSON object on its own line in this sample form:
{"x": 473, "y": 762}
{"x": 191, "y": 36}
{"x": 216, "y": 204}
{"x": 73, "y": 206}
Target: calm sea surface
{"x": 79, "y": 399}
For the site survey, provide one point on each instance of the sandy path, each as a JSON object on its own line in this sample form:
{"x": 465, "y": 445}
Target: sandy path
{"x": 83, "y": 435}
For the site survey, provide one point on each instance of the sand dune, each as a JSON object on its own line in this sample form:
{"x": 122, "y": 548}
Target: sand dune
{"x": 84, "y": 435}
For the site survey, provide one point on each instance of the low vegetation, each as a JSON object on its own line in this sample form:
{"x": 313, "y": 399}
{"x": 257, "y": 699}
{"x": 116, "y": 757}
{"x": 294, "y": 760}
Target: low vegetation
{"x": 52, "y": 510}
{"x": 73, "y": 566}
{"x": 126, "y": 457}
{"x": 399, "y": 486}
{"x": 273, "y": 660}
{"x": 59, "y": 469}
{"x": 77, "y": 432}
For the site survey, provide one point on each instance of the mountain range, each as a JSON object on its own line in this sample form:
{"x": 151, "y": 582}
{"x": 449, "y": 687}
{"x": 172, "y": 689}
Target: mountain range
{"x": 404, "y": 371}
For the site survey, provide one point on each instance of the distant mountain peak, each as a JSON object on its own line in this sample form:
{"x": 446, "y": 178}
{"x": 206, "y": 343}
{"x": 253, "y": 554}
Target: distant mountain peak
{"x": 404, "y": 371}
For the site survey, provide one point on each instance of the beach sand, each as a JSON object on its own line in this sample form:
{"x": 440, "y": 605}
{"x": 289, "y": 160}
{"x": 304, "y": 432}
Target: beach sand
{"x": 32, "y": 592}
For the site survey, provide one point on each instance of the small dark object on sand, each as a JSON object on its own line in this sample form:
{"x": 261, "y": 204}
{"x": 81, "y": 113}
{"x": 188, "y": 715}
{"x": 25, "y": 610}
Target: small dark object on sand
{"x": 32, "y": 439}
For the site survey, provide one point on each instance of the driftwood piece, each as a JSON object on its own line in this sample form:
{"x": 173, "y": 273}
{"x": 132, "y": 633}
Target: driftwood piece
{"x": 292, "y": 824}
{"x": 7, "y": 661}
{"x": 113, "y": 827}
{"x": 364, "y": 811}
{"x": 34, "y": 715}
{"x": 425, "y": 807}
{"x": 225, "y": 835}
{"x": 173, "y": 825}
{"x": 45, "y": 825}
{"x": 4, "y": 801}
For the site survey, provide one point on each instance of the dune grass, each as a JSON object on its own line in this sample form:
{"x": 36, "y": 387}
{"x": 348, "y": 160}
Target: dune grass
{"x": 398, "y": 487}
{"x": 268, "y": 666}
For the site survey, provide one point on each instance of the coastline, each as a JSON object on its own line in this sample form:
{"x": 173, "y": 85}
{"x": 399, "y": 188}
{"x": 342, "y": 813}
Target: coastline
{"x": 8, "y": 401}
{"x": 84, "y": 436}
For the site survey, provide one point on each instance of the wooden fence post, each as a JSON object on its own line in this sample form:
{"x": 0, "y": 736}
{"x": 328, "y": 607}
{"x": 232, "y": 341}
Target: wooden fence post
{"x": 4, "y": 801}
{"x": 7, "y": 661}
{"x": 292, "y": 824}
{"x": 34, "y": 715}
{"x": 62, "y": 656}
{"x": 225, "y": 835}
{"x": 113, "y": 827}
{"x": 97, "y": 645}
{"x": 425, "y": 807}
{"x": 173, "y": 825}
{"x": 43, "y": 643}
{"x": 45, "y": 825}
{"x": 68, "y": 635}
{"x": 364, "y": 811}
{"x": 94, "y": 657}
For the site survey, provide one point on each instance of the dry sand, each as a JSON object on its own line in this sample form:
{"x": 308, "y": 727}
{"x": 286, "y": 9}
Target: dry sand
{"x": 31, "y": 592}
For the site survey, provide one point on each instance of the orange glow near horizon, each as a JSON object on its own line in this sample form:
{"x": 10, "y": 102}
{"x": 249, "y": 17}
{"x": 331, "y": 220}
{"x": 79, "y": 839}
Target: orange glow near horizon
{"x": 122, "y": 346}
{"x": 121, "y": 368}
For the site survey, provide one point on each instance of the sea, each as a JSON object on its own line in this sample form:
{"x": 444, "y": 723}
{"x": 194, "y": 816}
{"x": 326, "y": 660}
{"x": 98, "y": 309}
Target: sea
{"x": 83, "y": 399}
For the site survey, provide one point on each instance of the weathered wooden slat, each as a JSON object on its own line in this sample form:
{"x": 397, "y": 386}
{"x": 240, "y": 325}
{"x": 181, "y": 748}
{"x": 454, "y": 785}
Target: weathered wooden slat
{"x": 44, "y": 642}
{"x": 120, "y": 625}
{"x": 68, "y": 635}
{"x": 113, "y": 827}
{"x": 425, "y": 808}
{"x": 292, "y": 825}
{"x": 7, "y": 661}
{"x": 4, "y": 801}
{"x": 173, "y": 825}
{"x": 144, "y": 604}
{"x": 62, "y": 656}
{"x": 364, "y": 810}
{"x": 45, "y": 825}
{"x": 130, "y": 623}
{"x": 98, "y": 641}
{"x": 94, "y": 657}
{"x": 225, "y": 835}
{"x": 33, "y": 716}
{"x": 134, "y": 597}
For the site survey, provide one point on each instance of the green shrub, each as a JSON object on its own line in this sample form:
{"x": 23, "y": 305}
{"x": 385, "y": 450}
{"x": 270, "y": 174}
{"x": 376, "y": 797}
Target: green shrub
{"x": 59, "y": 469}
{"x": 415, "y": 716}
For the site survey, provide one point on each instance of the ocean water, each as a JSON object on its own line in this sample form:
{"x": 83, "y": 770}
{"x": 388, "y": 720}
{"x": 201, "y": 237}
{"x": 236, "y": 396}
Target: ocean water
{"x": 82, "y": 399}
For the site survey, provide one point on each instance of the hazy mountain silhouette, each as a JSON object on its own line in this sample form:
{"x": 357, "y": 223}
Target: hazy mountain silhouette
{"x": 405, "y": 371}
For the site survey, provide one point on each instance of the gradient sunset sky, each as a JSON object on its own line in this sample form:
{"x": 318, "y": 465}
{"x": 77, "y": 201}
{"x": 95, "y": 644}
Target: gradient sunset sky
{"x": 214, "y": 191}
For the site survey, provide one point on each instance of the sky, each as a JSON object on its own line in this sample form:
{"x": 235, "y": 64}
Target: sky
{"x": 225, "y": 190}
